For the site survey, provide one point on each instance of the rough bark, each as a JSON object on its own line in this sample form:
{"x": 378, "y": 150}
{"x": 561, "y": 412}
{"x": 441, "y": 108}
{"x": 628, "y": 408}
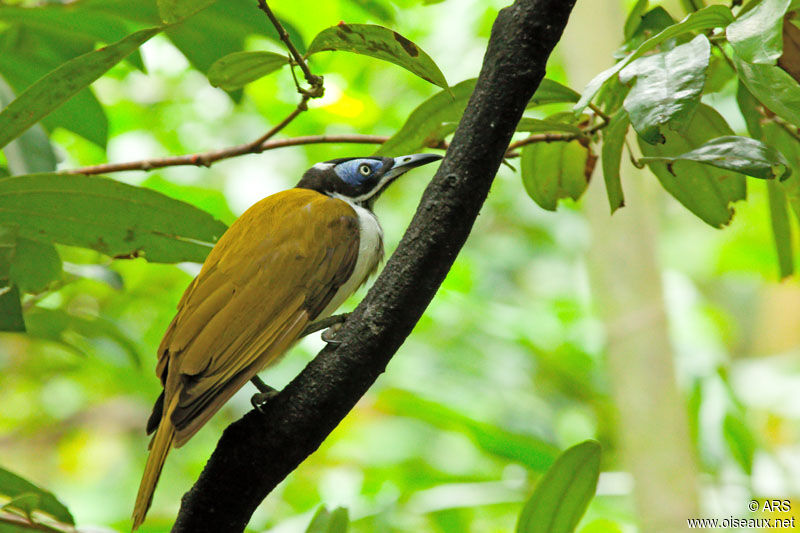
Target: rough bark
{"x": 258, "y": 451}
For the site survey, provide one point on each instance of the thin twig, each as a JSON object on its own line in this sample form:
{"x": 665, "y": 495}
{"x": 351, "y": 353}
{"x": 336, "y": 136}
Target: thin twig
{"x": 207, "y": 158}
{"x": 313, "y": 80}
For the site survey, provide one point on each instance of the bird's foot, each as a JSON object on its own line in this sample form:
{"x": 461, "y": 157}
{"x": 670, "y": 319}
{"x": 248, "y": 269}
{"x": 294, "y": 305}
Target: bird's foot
{"x": 326, "y": 323}
{"x": 265, "y": 393}
{"x": 329, "y": 335}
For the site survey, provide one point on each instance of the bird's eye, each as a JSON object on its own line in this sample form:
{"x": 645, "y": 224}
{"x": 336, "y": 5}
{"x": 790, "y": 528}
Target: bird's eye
{"x": 364, "y": 170}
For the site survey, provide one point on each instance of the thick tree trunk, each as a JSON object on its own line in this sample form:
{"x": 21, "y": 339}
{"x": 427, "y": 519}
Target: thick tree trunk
{"x": 258, "y": 451}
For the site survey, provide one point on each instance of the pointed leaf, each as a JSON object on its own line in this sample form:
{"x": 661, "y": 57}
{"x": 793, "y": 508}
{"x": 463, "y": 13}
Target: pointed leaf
{"x": 320, "y": 521}
{"x": 32, "y": 151}
{"x": 613, "y": 143}
{"x": 756, "y": 36}
{"x": 236, "y": 70}
{"x": 57, "y": 87}
{"x": 172, "y": 11}
{"x": 781, "y": 228}
{"x": 551, "y": 171}
{"x": 111, "y": 217}
{"x": 713, "y": 16}
{"x": 772, "y": 86}
{"x": 379, "y": 42}
{"x": 704, "y": 190}
{"x": 740, "y": 440}
{"x": 667, "y": 88}
{"x": 12, "y": 486}
{"x": 740, "y": 154}
{"x": 428, "y": 122}
{"x": 634, "y": 18}
{"x": 564, "y": 492}
{"x": 552, "y": 92}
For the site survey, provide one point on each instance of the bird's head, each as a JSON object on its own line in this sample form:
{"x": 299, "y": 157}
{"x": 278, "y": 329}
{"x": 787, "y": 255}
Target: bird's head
{"x": 360, "y": 179}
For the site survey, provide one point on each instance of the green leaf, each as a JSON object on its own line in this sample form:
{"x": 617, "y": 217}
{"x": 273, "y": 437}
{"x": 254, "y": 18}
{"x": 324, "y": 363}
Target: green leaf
{"x": 34, "y": 266}
{"x": 528, "y": 450}
{"x": 551, "y": 171}
{"x": 781, "y": 229}
{"x": 704, "y": 190}
{"x": 429, "y": 121}
{"x": 740, "y": 440}
{"x": 749, "y": 109}
{"x": 172, "y": 11}
{"x": 236, "y": 70}
{"x": 667, "y": 88}
{"x": 561, "y": 122}
{"x": 757, "y": 36}
{"x": 654, "y": 21}
{"x": 381, "y": 43}
{"x": 634, "y": 18}
{"x": 564, "y": 492}
{"x": 32, "y": 151}
{"x": 13, "y": 486}
{"x": 57, "y": 87}
{"x": 713, "y": 16}
{"x": 740, "y": 154}
{"x": 329, "y": 522}
{"x": 613, "y": 143}
{"x": 772, "y": 86}
{"x": 111, "y": 217}
{"x": 552, "y": 92}
{"x": 10, "y": 308}
{"x": 776, "y": 136}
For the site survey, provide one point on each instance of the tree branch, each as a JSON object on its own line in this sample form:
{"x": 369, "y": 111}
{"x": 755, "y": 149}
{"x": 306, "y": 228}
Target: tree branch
{"x": 255, "y": 453}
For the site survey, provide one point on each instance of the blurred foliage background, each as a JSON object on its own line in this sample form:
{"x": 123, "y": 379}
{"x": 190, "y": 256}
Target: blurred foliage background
{"x": 670, "y": 342}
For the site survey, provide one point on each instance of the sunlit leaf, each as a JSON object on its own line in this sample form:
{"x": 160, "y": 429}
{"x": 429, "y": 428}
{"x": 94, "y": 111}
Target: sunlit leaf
{"x": 781, "y": 229}
{"x": 756, "y": 36}
{"x": 236, "y": 70}
{"x": 667, "y": 88}
{"x": 551, "y": 171}
{"x": 703, "y": 189}
{"x": 429, "y": 120}
{"x": 30, "y": 152}
{"x": 57, "y": 87}
{"x": 528, "y": 450}
{"x": 634, "y": 18}
{"x": 713, "y": 16}
{"x": 740, "y": 440}
{"x": 379, "y": 42}
{"x": 552, "y": 92}
{"x": 324, "y": 521}
{"x": 111, "y": 217}
{"x": 13, "y": 486}
{"x": 564, "y": 492}
{"x": 613, "y": 143}
{"x": 740, "y": 154}
{"x": 172, "y": 11}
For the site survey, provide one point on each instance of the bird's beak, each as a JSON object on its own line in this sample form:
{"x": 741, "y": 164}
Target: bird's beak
{"x": 404, "y": 163}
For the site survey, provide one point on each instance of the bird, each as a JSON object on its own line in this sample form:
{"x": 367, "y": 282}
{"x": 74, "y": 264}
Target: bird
{"x": 285, "y": 264}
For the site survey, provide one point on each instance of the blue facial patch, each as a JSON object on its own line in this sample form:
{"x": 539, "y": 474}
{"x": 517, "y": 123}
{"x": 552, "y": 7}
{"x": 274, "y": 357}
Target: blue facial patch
{"x": 356, "y": 171}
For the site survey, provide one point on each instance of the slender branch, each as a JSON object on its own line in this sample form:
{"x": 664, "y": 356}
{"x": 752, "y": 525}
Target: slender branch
{"x": 255, "y": 453}
{"x": 313, "y": 80}
{"x": 208, "y": 158}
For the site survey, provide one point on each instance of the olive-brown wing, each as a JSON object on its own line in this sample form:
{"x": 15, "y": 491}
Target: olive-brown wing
{"x": 271, "y": 273}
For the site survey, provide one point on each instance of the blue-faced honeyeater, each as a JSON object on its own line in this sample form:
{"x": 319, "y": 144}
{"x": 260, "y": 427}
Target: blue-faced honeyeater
{"x": 289, "y": 260}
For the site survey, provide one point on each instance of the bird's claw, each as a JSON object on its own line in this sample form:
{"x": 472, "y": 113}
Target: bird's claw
{"x": 260, "y": 399}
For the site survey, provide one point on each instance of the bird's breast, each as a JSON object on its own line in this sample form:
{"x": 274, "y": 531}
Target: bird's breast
{"x": 370, "y": 253}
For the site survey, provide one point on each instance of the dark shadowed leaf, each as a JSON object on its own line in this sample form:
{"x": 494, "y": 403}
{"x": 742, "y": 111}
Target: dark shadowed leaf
{"x": 705, "y": 190}
{"x": 756, "y": 36}
{"x": 654, "y": 21}
{"x": 57, "y": 87}
{"x": 776, "y": 136}
{"x": 13, "y": 486}
{"x": 772, "y": 86}
{"x": 613, "y": 143}
{"x": 551, "y": 171}
{"x": 564, "y": 492}
{"x": 714, "y": 16}
{"x": 10, "y": 308}
{"x": 111, "y": 217}
{"x": 531, "y": 451}
{"x": 430, "y": 121}
{"x": 667, "y": 88}
{"x": 748, "y": 106}
{"x": 781, "y": 228}
{"x": 172, "y": 11}
{"x": 379, "y": 42}
{"x": 740, "y": 154}
{"x": 236, "y": 70}
{"x": 552, "y": 92}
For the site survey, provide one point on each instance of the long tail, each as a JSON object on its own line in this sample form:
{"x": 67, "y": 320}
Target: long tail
{"x": 159, "y": 448}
